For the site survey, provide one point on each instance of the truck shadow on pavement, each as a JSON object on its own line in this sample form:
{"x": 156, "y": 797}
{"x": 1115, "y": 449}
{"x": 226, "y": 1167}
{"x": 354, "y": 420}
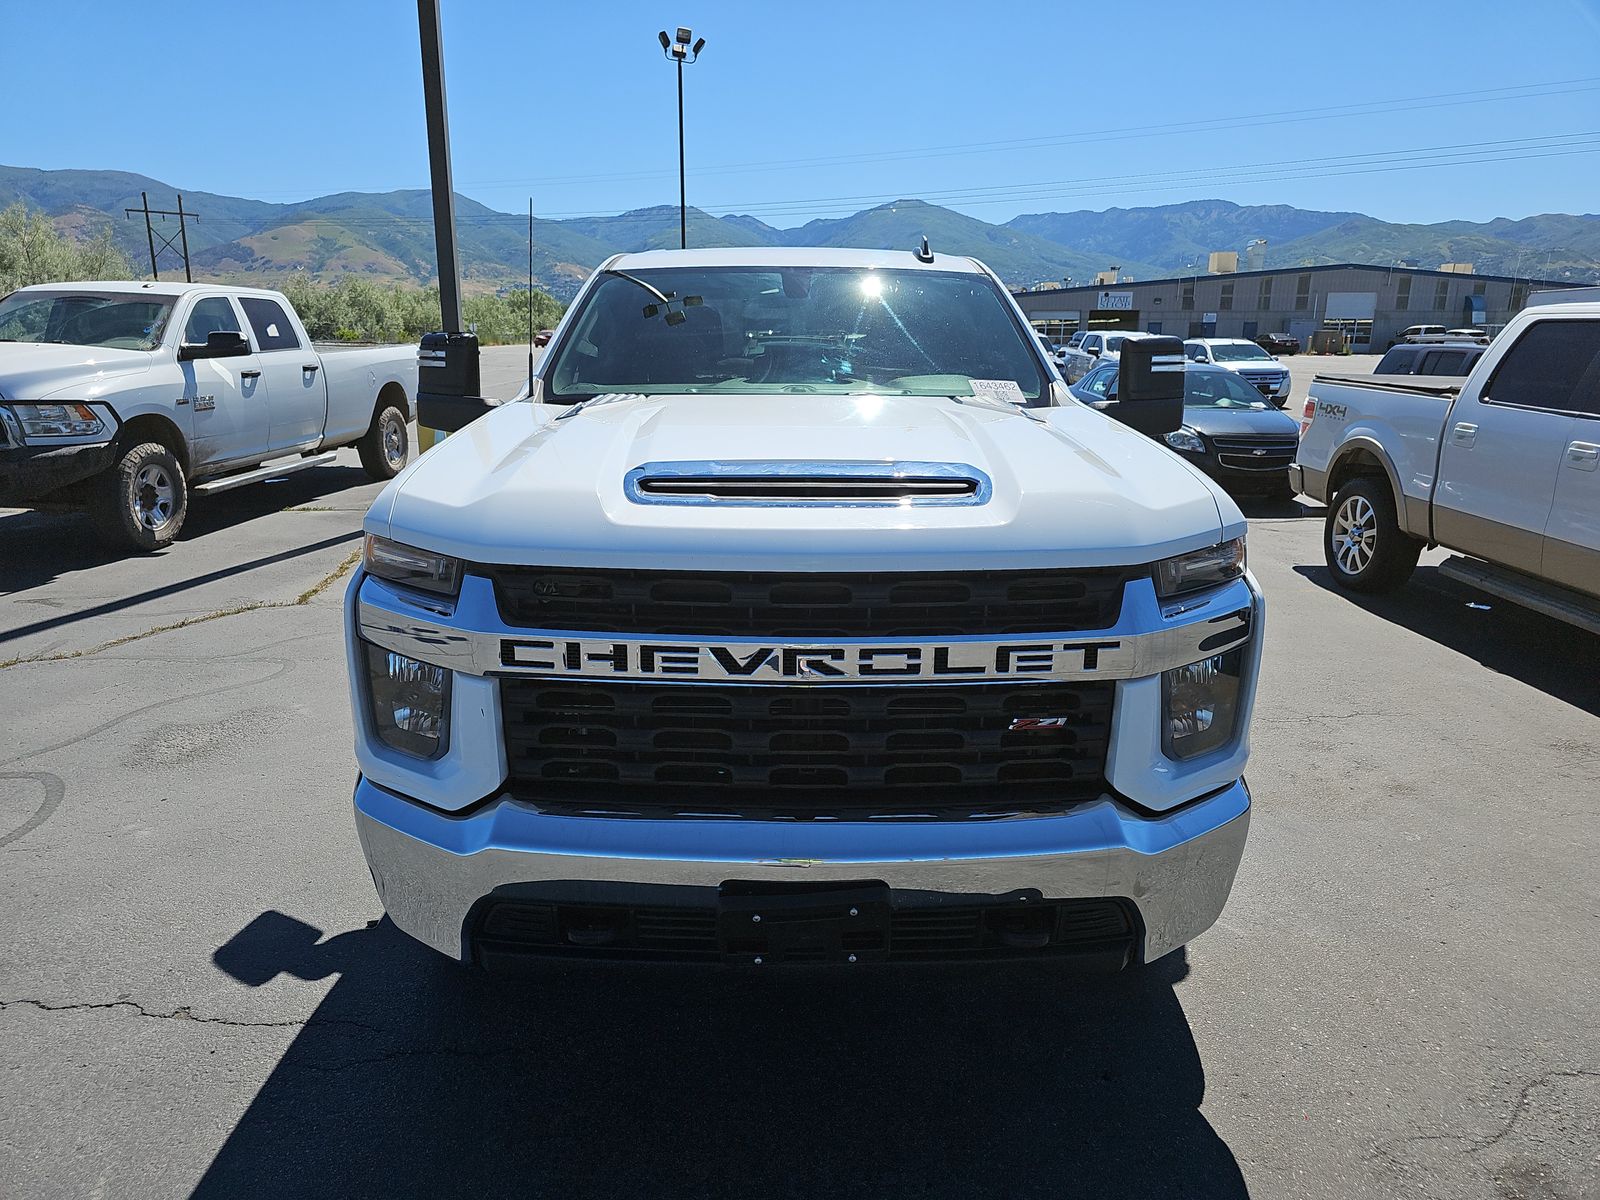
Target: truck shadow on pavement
{"x": 415, "y": 1078}
{"x": 38, "y": 547}
{"x": 1552, "y": 656}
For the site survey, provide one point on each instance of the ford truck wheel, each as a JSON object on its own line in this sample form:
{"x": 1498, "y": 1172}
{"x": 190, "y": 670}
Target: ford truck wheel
{"x": 141, "y": 502}
{"x": 384, "y": 448}
{"x": 1365, "y": 548}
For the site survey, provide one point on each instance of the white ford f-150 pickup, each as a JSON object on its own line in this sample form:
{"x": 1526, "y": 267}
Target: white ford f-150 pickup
{"x": 126, "y": 398}
{"x": 1499, "y": 465}
{"x": 799, "y": 613}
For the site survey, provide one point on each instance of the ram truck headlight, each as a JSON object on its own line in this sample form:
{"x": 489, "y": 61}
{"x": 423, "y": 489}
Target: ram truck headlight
{"x": 1200, "y": 704}
{"x": 410, "y": 702}
{"x": 1198, "y": 569}
{"x": 1185, "y": 439}
{"x": 424, "y": 569}
{"x": 57, "y": 420}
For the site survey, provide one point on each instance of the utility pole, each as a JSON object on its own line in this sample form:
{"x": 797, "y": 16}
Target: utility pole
{"x": 444, "y": 196}
{"x": 181, "y": 237}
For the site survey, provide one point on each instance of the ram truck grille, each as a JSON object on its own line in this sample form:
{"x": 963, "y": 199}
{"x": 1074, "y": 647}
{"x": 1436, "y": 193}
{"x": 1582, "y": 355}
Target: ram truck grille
{"x": 786, "y": 752}
{"x": 737, "y": 604}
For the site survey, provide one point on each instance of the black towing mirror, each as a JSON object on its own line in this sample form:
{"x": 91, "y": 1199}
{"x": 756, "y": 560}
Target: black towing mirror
{"x": 1150, "y": 385}
{"x": 448, "y": 383}
{"x": 219, "y": 343}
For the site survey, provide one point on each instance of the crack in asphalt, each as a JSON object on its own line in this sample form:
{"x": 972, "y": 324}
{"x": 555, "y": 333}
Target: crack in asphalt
{"x": 1386, "y": 1151}
{"x": 55, "y": 790}
{"x": 185, "y": 1013}
{"x": 304, "y": 598}
{"x": 282, "y": 664}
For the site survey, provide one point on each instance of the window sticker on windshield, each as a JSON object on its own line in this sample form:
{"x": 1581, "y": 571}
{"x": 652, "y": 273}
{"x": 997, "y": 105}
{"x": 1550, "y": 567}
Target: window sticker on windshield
{"x": 1007, "y": 390}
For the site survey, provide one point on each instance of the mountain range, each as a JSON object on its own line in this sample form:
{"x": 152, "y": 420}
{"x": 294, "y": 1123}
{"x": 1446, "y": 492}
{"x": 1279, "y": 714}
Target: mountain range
{"x": 388, "y": 236}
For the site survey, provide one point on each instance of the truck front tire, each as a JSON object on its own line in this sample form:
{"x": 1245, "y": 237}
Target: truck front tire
{"x": 385, "y": 447}
{"x": 1365, "y": 548}
{"x": 141, "y": 502}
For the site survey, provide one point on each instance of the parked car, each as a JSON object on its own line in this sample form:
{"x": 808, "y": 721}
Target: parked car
{"x": 1474, "y": 334}
{"x": 127, "y": 398}
{"x": 1278, "y": 343}
{"x": 1414, "y": 331}
{"x": 1427, "y": 358}
{"x": 1258, "y": 367}
{"x": 542, "y": 338}
{"x": 1229, "y": 430}
{"x": 827, "y": 654}
{"x": 1500, "y": 467}
{"x": 1095, "y": 347}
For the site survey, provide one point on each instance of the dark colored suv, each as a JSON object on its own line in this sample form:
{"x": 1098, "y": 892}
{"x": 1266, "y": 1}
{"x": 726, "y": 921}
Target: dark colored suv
{"x": 1430, "y": 358}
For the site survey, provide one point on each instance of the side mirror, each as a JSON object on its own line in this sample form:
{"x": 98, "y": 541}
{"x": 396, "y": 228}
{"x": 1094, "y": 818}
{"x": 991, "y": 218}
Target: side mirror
{"x": 448, "y": 387}
{"x": 219, "y": 343}
{"x": 1150, "y": 385}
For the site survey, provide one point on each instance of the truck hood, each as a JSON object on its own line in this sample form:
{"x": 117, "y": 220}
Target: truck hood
{"x": 1068, "y": 487}
{"x": 44, "y": 371}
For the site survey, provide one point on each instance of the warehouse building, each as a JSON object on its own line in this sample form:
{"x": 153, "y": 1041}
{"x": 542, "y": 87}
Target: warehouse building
{"x": 1368, "y": 305}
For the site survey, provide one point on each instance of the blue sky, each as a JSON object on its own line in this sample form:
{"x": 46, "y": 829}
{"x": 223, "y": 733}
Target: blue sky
{"x": 799, "y": 111}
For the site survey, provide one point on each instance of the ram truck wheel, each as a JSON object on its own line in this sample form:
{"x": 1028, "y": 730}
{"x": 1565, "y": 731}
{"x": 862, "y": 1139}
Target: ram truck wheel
{"x": 385, "y": 447}
{"x": 1365, "y": 548}
{"x": 141, "y": 502}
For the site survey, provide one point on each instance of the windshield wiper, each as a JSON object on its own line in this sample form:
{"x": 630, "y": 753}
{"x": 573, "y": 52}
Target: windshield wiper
{"x": 998, "y": 406}
{"x": 603, "y": 398}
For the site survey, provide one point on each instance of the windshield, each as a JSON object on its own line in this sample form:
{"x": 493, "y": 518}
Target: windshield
{"x": 1219, "y": 389}
{"x": 1242, "y": 352}
{"x": 117, "y": 321}
{"x": 833, "y": 331}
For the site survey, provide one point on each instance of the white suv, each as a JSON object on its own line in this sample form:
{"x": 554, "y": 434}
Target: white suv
{"x": 1244, "y": 358}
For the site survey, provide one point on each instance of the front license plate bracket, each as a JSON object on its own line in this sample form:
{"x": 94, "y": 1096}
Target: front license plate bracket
{"x": 761, "y": 923}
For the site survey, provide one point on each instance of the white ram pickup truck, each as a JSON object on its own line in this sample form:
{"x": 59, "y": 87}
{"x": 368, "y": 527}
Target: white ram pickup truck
{"x": 1499, "y": 465}
{"x": 126, "y": 398}
{"x": 799, "y": 613}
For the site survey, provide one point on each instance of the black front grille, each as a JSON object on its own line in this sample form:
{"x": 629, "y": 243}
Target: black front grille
{"x": 1103, "y": 927}
{"x": 1256, "y": 452}
{"x": 801, "y": 752}
{"x": 768, "y": 605}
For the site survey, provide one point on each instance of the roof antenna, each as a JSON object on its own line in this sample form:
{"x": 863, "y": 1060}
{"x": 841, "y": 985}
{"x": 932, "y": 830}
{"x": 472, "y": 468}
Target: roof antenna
{"x": 922, "y": 252}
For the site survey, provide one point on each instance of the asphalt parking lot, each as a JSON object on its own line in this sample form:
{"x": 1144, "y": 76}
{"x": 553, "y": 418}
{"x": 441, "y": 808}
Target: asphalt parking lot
{"x": 198, "y": 993}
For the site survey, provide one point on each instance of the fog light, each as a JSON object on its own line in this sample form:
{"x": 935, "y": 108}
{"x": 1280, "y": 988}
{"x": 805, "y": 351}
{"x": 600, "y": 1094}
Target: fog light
{"x": 410, "y": 702}
{"x": 1200, "y": 704}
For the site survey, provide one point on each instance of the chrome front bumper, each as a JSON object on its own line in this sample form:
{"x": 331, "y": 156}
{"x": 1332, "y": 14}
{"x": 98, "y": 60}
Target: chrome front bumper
{"x": 431, "y": 868}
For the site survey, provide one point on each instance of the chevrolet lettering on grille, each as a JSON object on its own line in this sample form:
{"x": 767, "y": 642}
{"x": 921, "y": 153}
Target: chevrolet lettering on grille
{"x": 753, "y": 662}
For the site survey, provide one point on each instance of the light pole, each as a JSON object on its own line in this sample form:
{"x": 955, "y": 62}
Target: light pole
{"x": 678, "y": 50}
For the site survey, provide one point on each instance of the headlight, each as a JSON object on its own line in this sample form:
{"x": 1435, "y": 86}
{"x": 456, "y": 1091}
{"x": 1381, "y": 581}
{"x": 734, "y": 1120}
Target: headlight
{"x": 438, "y": 573}
{"x": 57, "y": 420}
{"x": 410, "y": 702}
{"x": 1200, "y": 568}
{"x": 1200, "y": 705}
{"x": 1184, "y": 439}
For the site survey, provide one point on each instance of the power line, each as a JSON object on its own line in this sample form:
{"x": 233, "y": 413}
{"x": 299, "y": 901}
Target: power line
{"x": 166, "y": 242}
{"x": 1508, "y": 92}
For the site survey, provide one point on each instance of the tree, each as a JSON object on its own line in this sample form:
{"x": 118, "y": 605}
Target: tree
{"x": 33, "y": 250}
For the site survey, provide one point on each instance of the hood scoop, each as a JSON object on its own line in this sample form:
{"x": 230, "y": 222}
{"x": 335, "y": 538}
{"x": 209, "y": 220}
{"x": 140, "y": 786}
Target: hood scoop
{"x": 807, "y": 484}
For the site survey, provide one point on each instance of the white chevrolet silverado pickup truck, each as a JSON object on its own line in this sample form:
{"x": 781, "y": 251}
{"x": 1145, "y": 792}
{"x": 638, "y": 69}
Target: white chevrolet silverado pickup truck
{"x": 126, "y": 398}
{"x": 1498, "y": 465}
{"x": 797, "y": 612}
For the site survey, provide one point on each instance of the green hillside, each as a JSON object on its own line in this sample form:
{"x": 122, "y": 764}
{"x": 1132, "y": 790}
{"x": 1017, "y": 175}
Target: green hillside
{"x": 387, "y": 237}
